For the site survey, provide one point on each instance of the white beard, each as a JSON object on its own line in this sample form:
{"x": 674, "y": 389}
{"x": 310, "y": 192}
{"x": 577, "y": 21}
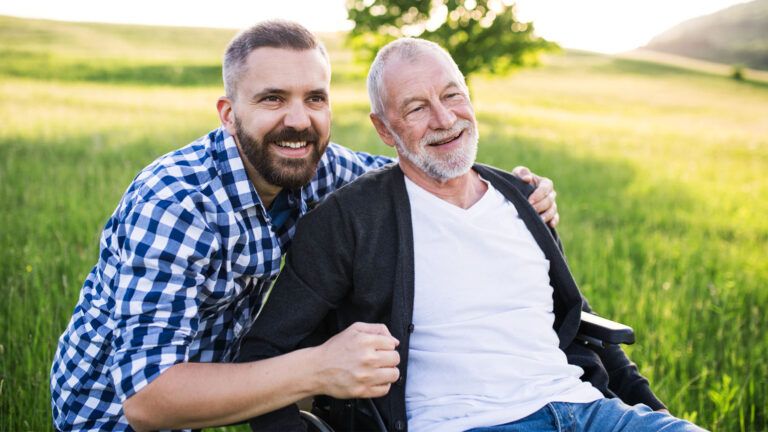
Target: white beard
{"x": 452, "y": 165}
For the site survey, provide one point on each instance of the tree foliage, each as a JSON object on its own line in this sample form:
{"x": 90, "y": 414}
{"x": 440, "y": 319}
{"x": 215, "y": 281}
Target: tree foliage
{"x": 481, "y": 35}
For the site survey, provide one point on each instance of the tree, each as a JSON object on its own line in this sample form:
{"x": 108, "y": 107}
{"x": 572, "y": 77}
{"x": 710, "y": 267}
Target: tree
{"x": 481, "y": 35}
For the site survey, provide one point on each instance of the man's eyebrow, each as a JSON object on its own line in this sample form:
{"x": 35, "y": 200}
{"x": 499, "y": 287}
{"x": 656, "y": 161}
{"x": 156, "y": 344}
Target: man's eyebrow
{"x": 319, "y": 92}
{"x": 411, "y": 99}
{"x": 268, "y": 91}
{"x": 451, "y": 84}
{"x": 282, "y": 92}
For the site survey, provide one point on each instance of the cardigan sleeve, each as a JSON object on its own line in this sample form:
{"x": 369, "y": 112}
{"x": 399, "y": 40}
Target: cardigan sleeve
{"x": 314, "y": 279}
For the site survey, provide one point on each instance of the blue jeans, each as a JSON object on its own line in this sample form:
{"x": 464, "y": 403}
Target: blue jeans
{"x": 603, "y": 415}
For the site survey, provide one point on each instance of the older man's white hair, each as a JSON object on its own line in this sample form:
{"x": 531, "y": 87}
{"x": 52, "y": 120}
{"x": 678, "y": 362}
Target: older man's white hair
{"x": 406, "y": 49}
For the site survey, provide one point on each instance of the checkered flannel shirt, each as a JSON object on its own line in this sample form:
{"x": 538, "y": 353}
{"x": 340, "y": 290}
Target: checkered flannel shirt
{"x": 184, "y": 261}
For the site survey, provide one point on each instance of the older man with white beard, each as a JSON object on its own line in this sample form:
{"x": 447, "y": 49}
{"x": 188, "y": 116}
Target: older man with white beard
{"x": 449, "y": 255}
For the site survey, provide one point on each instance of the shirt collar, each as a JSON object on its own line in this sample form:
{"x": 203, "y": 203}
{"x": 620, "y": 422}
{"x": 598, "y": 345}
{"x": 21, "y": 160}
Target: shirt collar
{"x": 235, "y": 179}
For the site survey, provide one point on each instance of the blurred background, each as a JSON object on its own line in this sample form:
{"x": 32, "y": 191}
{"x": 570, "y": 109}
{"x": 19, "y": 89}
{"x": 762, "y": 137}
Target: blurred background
{"x": 651, "y": 118}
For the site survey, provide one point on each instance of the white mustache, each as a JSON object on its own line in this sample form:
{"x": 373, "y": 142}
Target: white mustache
{"x": 455, "y": 130}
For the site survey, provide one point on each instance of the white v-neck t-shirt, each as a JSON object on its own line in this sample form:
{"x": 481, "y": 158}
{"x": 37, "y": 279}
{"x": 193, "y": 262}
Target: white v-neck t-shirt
{"x": 483, "y": 351}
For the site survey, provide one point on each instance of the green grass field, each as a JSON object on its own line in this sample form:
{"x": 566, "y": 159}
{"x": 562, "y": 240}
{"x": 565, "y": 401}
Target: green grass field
{"x": 661, "y": 176}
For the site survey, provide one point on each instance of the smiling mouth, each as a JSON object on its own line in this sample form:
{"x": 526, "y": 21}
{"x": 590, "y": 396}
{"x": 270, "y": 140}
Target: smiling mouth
{"x": 291, "y": 144}
{"x": 448, "y": 140}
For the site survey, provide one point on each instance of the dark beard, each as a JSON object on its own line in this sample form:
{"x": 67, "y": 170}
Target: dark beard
{"x": 284, "y": 172}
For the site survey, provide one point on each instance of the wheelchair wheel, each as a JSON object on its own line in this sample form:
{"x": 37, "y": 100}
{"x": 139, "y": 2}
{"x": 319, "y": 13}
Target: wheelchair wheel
{"x": 314, "y": 423}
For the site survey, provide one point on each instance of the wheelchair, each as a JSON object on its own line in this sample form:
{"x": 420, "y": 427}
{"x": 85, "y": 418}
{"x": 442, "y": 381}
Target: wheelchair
{"x": 332, "y": 415}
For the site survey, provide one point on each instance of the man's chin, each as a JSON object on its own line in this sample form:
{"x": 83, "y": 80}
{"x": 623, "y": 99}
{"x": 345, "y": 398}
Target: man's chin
{"x": 287, "y": 170}
{"x": 292, "y": 183}
{"x": 293, "y": 175}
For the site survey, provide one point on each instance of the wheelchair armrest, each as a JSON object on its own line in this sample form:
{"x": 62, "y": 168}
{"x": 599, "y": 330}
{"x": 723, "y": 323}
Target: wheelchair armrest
{"x": 598, "y": 331}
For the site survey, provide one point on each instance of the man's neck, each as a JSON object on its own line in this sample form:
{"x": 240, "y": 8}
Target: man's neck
{"x": 463, "y": 191}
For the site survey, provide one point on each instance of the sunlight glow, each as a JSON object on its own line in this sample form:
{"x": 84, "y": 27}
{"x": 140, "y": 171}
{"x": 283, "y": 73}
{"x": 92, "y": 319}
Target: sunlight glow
{"x": 608, "y": 26}
{"x": 611, "y": 26}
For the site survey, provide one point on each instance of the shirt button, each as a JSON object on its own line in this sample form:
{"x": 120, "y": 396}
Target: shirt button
{"x": 399, "y": 425}
{"x": 410, "y": 328}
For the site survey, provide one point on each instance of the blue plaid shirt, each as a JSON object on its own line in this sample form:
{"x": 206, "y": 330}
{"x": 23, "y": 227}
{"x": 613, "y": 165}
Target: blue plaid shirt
{"x": 184, "y": 261}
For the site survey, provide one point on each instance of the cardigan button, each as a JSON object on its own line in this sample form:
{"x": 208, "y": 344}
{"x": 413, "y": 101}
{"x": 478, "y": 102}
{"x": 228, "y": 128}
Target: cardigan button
{"x": 400, "y": 381}
{"x": 411, "y": 327}
{"x": 399, "y": 425}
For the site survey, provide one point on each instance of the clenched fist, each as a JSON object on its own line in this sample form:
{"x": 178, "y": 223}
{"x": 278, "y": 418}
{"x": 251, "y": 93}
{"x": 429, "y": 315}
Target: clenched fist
{"x": 360, "y": 362}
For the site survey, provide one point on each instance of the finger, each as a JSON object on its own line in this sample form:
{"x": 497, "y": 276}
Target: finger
{"x": 543, "y": 205}
{"x": 378, "y": 383}
{"x": 372, "y": 328}
{"x": 523, "y": 173}
{"x": 546, "y": 204}
{"x": 376, "y": 391}
{"x": 387, "y": 359}
{"x": 544, "y": 188}
{"x": 555, "y": 220}
{"x": 381, "y": 342}
{"x": 549, "y": 214}
{"x": 384, "y": 376}
{"x": 376, "y": 341}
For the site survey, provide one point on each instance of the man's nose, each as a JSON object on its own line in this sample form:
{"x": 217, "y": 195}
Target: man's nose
{"x": 297, "y": 117}
{"x": 442, "y": 117}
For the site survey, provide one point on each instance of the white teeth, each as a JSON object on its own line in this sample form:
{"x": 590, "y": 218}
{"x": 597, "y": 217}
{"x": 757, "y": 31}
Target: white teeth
{"x": 293, "y": 145}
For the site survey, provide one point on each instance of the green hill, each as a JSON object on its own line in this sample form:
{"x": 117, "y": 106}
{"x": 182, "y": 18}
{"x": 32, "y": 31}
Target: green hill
{"x": 122, "y": 53}
{"x": 736, "y": 35}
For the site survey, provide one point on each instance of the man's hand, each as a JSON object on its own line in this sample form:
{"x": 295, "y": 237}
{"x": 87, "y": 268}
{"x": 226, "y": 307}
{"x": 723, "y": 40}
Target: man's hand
{"x": 543, "y": 198}
{"x": 360, "y": 362}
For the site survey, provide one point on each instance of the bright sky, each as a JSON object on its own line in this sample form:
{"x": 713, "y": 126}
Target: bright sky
{"x": 608, "y": 26}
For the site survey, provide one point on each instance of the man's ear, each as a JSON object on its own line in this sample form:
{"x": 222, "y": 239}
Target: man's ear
{"x": 226, "y": 114}
{"x": 382, "y": 130}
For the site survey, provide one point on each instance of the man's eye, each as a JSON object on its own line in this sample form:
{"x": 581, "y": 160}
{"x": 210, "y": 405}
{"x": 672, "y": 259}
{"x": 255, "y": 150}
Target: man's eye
{"x": 270, "y": 99}
{"x": 317, "y": 99}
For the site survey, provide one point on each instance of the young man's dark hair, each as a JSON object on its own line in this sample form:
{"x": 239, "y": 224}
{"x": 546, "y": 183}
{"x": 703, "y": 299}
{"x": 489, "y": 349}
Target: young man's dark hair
{"x": 272, "y": 34}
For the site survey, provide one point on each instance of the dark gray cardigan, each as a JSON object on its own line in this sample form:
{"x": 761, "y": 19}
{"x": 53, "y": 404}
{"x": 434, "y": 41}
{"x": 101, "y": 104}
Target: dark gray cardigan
{"x": 352, "y": 260}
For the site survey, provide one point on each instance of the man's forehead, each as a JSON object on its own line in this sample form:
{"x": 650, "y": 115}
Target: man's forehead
{"x": 265, "y": 57}
{"x": 429, "y": 68}
{"x": 287, "y": 68}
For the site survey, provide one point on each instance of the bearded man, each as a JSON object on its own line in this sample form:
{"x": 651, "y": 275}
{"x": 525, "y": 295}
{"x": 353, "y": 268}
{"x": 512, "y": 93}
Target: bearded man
{"x": 191, "y": 248}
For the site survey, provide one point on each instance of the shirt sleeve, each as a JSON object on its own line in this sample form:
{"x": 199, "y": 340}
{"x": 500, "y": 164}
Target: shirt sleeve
{"x": 340, "y": 165}
{"x": 165, "y": 252}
